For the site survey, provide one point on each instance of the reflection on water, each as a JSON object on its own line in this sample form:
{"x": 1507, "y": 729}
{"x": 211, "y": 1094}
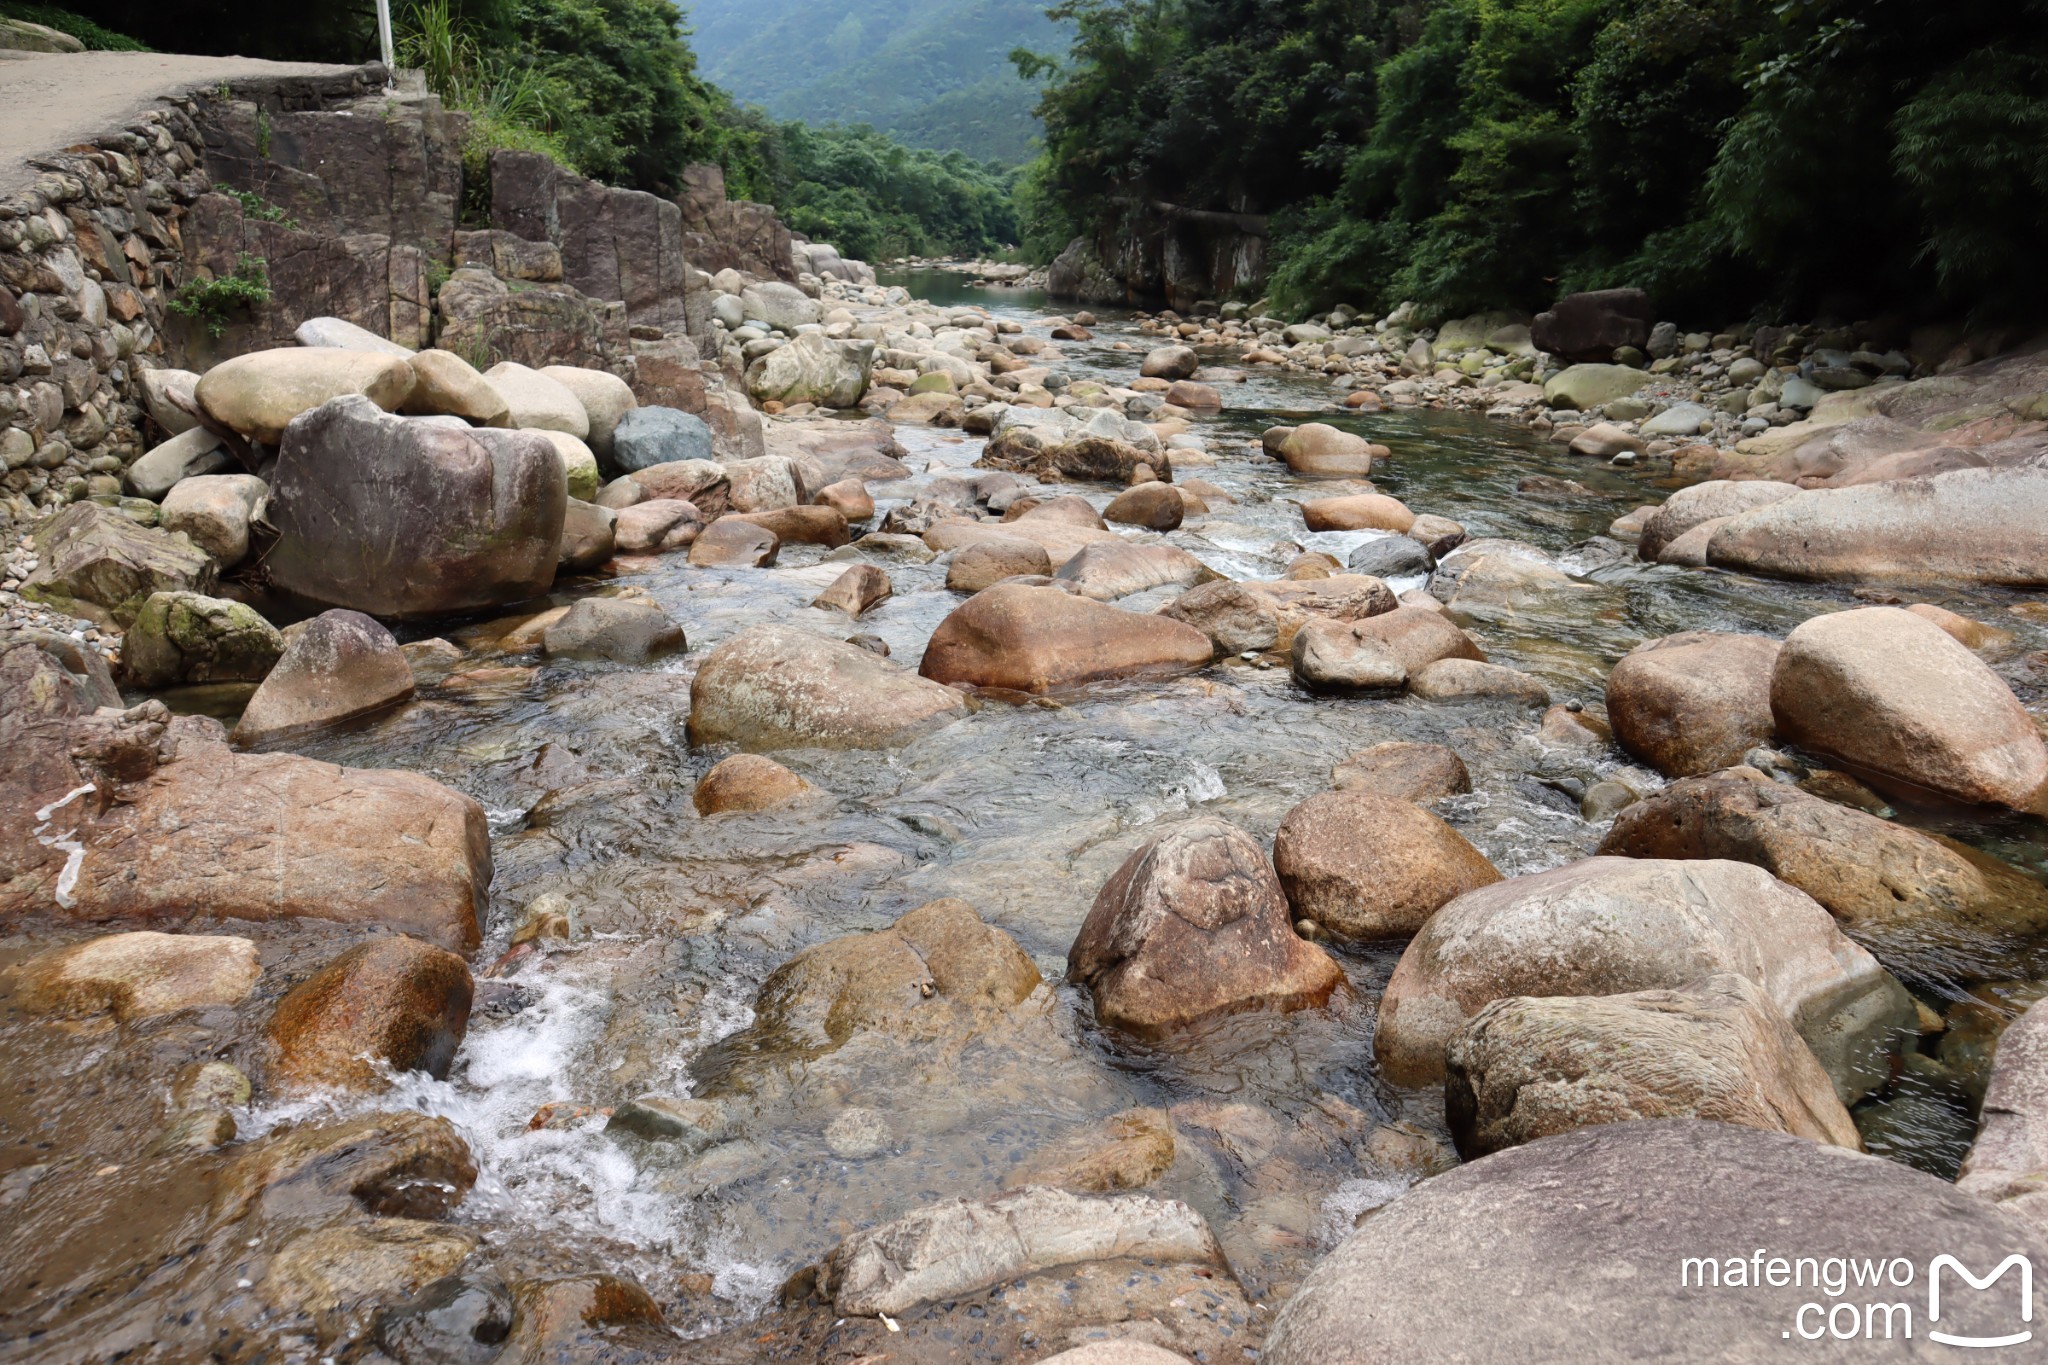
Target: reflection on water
{"x": 1286, "y": 1132}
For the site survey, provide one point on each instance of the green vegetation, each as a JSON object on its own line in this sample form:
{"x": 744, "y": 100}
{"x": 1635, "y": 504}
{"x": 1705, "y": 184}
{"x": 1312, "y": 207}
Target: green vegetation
{"x": 1729, "y": 155}
{"x": 95, "y": 38}
{"x": 210, "y": 303}
{"x": 872, "y": 197}
{"x": 256, "y": 206}
{"x": 931, "y": 73}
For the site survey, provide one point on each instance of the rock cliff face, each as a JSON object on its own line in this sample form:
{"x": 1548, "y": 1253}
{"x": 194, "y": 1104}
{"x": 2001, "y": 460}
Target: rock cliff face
{"x": 1164, "y": 252}
{"x": 724, "y": 234}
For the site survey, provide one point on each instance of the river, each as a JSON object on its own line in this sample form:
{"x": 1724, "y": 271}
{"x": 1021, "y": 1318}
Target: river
{"x": 1023, "y": 811}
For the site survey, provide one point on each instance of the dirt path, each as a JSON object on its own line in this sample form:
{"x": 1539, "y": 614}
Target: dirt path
{"x": 48, "y": 103}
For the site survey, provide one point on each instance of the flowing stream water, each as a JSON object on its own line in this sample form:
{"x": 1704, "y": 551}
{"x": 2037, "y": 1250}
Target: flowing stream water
{"x": 1023, "y": 811}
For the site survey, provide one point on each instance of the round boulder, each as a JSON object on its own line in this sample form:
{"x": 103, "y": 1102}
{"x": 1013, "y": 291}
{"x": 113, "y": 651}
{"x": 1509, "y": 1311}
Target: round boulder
{"x": 1154, "y": 506}
{"x": 1909, "y": 710}
{"x": 605, "y": 397}
{"x": 645, "y": 437}
{"x": 1406, "y": 769}
{"x": 339, "y": 666}
{"x": 776, "y": 687}
{"x": 184, "y": 637}
{"x": 393, "y": 1003}
{"x": 258, "y": 394}
{"x": 749, "y": 782}
{"x": 1369, "y": 868}
{"x": 617, "y": 628}
{"x": 1170, "y": 363}
{"x": 534, "y": 400}
{"x": 985, "y": 563}
{"x": 1038, "y": 639}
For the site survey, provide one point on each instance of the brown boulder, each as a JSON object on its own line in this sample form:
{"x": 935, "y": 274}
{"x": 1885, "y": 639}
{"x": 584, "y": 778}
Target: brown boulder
{"x": 985, "y": 563}
{"x": 1237, "y": 617}
{"x": 749, "y": 782}
{"x": 1418, "y": 637}
{"x": 1320, "y": 451}
{"x": 702, "y": 483}
{"x": 393, "y": 1003}
{"x": 1405, "y": 769}
{"x": 1690, "y": 508}
{"x": 809, "y": 525}
{"x": 1607, "y": 926}
{"x": 1111, "y": 569}
{"x": 1526, "y": 1068}
{"x": 1931, "y": 909}
{"x": 734, "y": 542}
{"x": 1338, "y": 657}
{"x": 856, "y": 590}
{"x": 1592, "y": 326}
{"x": 1909, "y": 710}
{"x": 1470, "y": 679}
{"x": 849, "y": 498}
{"x": 1194, "y": 924}
{"x": 1026, "y": 639}
{"x": 655, "y": 526}
{"x": 777, "y": 687}
{"x": 1070, "y": 508}
{"x": 1368, "y": 867}
{"x": 1186, "y": 393}
{"x": 1358, "y": 512}
{"x": 1154, "y": 506}
{"x": 1693, "y": 702}
{"x": 339, "y": 666}
{"x": 138, "y": 976}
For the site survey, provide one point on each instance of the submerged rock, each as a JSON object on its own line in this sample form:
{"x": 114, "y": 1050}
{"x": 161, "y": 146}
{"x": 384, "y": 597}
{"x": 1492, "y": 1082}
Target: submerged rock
{"x": 1404, "y": 769}
{"x": 776, "y": 687}
{"x": 1193, "y": 925}
{"x": 616, "y": 628}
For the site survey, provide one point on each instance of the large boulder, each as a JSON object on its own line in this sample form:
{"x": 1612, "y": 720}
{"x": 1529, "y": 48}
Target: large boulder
{"x": 1357, "y": 512}
{"x": 1318, "y": 450}
{"x": 400, "y": 518}
{"x": 776, "y": 687}
{"x": 749, "y": 782}
{"x": 704, "y": 483}
{"x": 1607, "y": 926}
{"x": 258, "y": 394}
{"x": 1341, "y": 657}
{"x": 186, "y": 637}
{"x": 764, "y": 484}
{"x": 1704, "y": 502}
{"x": 1034, "y": 639}
{"x": 532, "y": 399}
{"x": 1694, "y": 702}
{"x": 1237, "y": 617}
{"x": 1060, "y": 540}
{"x": 580, "y": 479}
{"x": 340, "y": 665}
{"x": 813, "y": 369}
{"x": 1369, "y": 868}
{"x": 1592, "y": 326}
{"x": 1193, "y": 925}
{"x": 98, "y": 564}
{"x": 393, "y": 1003}
{"x": 1970, "y": 525}
{"x": 646, "y": 437}
{"x": 152, "y": 819}
{"x": 1904, "y": 706}
{"x": 213, "y": 511}
{"x": 624, "y": 630}
{"x": 1170, "y": 363}
{"x": 1419, "y": 636}
{"x": 783, "y": 307}
{"x": 1551, "y": 1251}
{"x": 984, "y": 563}
{"x": 1931, "y": 909}
{"x": 1590, "y": 386}
{"x": 1527, "y": 1067}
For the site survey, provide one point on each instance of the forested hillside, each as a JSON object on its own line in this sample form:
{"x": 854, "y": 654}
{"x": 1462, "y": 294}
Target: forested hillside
{"x": 1727, "y": 154}
{"x": 610, "y": 88}
{"x": 934, "y": 73}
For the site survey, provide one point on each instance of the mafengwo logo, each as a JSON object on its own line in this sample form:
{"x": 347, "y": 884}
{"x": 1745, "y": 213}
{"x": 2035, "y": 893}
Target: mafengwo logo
{"x": 1866, "y": 1299}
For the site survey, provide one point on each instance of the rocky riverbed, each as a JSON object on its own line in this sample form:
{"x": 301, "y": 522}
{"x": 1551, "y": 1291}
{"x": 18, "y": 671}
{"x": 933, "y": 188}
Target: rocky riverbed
{"x": 1016, "y": 839}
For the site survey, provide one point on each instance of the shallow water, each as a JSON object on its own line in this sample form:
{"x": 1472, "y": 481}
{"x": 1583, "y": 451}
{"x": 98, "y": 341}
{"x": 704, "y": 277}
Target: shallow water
{"x": 1023, "y": 811}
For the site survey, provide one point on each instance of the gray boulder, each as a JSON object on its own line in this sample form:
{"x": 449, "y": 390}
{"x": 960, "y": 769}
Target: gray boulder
{"x": 616, "y": 628}
{"x": 1593, "y": 1245}
{"x": 340, "y": 666}
{"x": 404, "y": 519}
{"x": 783, "y": 307}
{"x": 648, "y": 436}
{"x": 215, "y": 510}
{"x": 98, "y": 564}
{"x": 776, "y": 687}
{"x": 193, "y": 451}
{"x": 1392, "y": 557}
{"x": 813, "y": 369}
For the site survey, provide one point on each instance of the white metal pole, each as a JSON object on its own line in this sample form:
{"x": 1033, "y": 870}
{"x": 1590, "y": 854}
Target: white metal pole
{"x": 384, "y": 40}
